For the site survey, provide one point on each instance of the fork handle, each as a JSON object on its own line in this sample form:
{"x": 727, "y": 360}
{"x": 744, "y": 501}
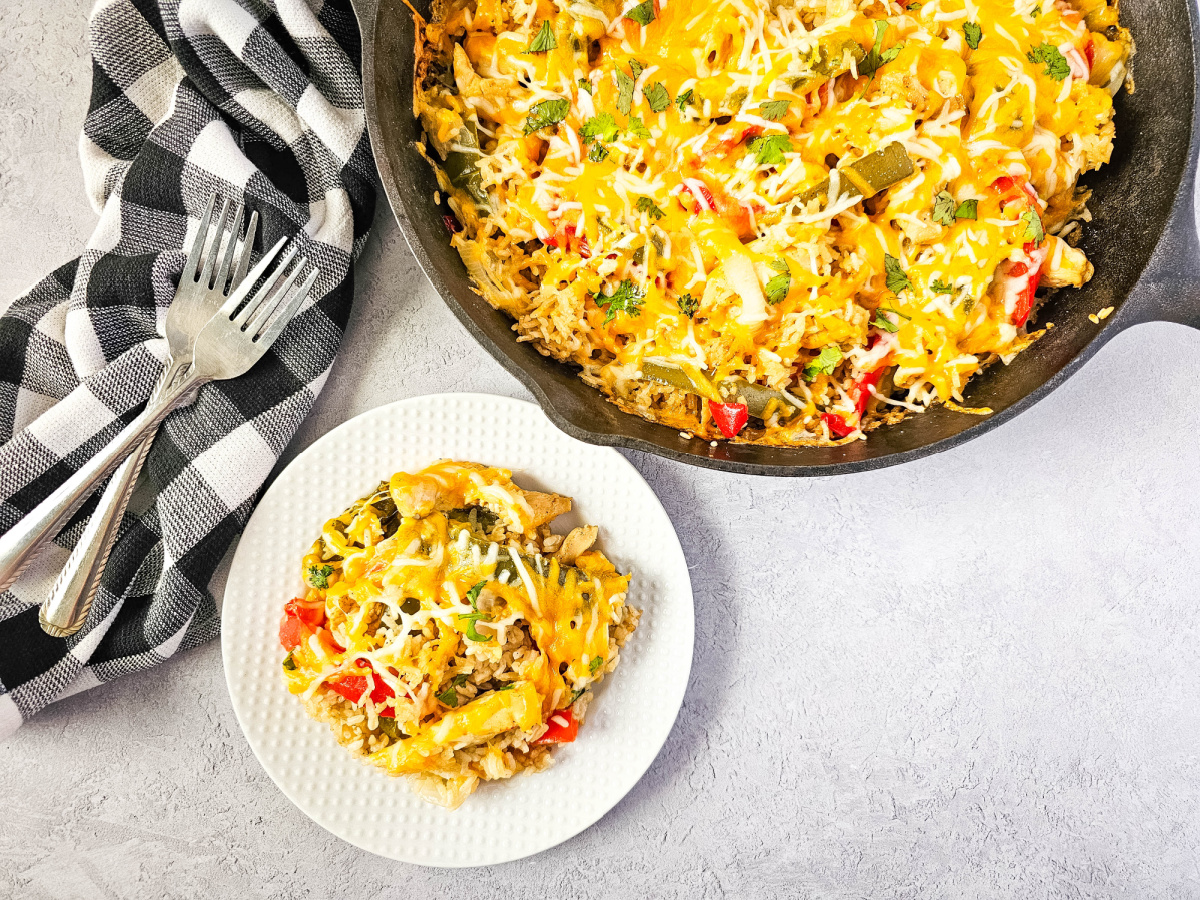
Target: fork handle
{"x": 21, "y": 543}
{"x": 65, "y": 610}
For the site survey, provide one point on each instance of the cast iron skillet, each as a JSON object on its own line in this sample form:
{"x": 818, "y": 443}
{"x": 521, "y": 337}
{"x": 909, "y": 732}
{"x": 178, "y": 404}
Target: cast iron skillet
{"x": 1136, "y": 196}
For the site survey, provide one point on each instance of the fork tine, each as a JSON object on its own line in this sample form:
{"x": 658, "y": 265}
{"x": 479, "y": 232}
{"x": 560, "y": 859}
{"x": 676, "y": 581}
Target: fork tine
{"x": 266, "y": 293}
{"x": 288, "y": 311}
{"x": 198, "y": 242}
{"x": 235, "y": 227}
{"x": 243, "y": 262}
{"x": 260, "y": 318}
{"x": 211, "y": 259}
{"x": 238, "y": 296}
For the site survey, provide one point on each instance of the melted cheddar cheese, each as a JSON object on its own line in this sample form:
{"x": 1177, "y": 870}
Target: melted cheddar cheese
{"x": 410, "y": 598}
{"x": 670, "y": 181}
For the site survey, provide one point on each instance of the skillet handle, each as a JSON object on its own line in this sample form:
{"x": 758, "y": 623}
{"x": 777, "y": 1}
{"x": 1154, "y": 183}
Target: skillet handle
{"x": 1169, "y": 291}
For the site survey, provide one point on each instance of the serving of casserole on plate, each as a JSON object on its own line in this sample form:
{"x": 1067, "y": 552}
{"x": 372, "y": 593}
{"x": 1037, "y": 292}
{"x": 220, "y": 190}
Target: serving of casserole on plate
{"x": 493, "y": 673}
{"x": 773, "y": 223}
{"x": 447, "y": 634}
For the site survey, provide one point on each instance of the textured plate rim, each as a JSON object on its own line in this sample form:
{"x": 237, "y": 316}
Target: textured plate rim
{"x": 674, "y": 705}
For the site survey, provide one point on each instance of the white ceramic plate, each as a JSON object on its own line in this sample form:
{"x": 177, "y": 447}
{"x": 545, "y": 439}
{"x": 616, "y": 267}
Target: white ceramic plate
{"x": 633, "y": 710}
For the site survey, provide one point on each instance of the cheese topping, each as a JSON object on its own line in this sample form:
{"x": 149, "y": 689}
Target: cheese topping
{"x": 696, "y": 181}
{"x": 410, "y": 598}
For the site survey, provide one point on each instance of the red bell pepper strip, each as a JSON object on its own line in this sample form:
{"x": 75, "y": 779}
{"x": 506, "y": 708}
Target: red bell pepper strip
{"x": 1010, "y": 189}
{"x": 353, "y": 687}
{"x": 838, "y": 426}
{"x": 1018, "y": 281}
{"x": 692, "y": 205}
{"x": 730, "y": 417}
{"x": 860, "y": 391}
{"x": 561, "y": 729}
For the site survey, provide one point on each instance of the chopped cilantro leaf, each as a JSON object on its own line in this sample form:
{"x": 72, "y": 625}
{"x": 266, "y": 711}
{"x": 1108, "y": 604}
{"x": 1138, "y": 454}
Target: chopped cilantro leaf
{"x": 289, "y": 663}
{"x": 878, "y": 57}
{"x": 779, "y": 285}
{"x": 318, "y": 576}
{"x": 626, "y": 298}
{"x": 637, "y": 129}
{"x": 897, "y": 278}
{"x": 636, "y": 67}
{"x": 1033, "y": 226}
{"x": 656, "y": 95}
{"x": 687, "y": 304}
{"x": 646, "y": 205}
{"x": 943, "y": 208}
{"x": 882, "y": 321}
{"x": 684, "y": 99}
{"x": 599, "y": 128}
{"x": 585, "y": 84}
{"x": 545, "y": 114}
{"x": 624, "y": 92}
{"x": 968, "y": 209}
{"x": 598, "y": 153}
{"x": 824, "y": 363}
{"x": 471, "y": 633}
{"x": 1056, "y": 64}
{"x": 473, "y": 595}
{"x": 973, "y": 33}
{"x": 544, "y": 40}
{"x": 643, "y": 13}
{"x": 941, "y": 287}
{"x": 595, "y": 664}
{"x": 774, "y": 109}
{"x": 450, "y": 696}
{"x": 769, "y": 149}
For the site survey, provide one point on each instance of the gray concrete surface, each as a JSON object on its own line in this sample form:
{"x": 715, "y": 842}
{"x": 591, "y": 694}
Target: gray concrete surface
{"x": 972, "y": 676}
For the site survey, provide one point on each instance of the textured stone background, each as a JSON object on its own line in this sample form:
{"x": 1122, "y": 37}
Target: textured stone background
{"x": 972, "y": 676}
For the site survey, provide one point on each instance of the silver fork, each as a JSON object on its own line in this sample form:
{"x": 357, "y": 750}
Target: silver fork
{"x": 200, "y": 293}
{"x": 232, "y": 341}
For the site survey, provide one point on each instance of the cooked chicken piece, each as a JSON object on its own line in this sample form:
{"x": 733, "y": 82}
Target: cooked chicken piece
{"x": 1066, "y": 266}
{"x": 546, "y": 506}
{"x": 579, "y": 541}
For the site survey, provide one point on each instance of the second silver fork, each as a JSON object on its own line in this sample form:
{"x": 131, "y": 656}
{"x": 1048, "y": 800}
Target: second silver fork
{"x": 202, "y": 289}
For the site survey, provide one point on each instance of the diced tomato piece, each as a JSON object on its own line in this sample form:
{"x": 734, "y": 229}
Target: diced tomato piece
{"x": 733, "y": 212}
{"x": 291, "y": 632}
{"x": 451, "y": 223}
{"x": 838, "y": 426}
{"x": 1003, "y": 185}
{"x": 730, "y": 417}
{"x": 565, "y": 238}
{"x": 311, "y": 614}
{"x": 727, "y": 145}
{"x": 1089, "y": 52}
{"x": 561, "y": 729}
{"x": 300, "y": 619}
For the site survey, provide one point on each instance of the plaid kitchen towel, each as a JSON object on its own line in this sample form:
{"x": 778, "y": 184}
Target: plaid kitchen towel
{"x": 259, "y": 101}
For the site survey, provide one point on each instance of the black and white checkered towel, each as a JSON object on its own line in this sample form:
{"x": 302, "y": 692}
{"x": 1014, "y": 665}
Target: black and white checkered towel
{"x": 257, "y": 100}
